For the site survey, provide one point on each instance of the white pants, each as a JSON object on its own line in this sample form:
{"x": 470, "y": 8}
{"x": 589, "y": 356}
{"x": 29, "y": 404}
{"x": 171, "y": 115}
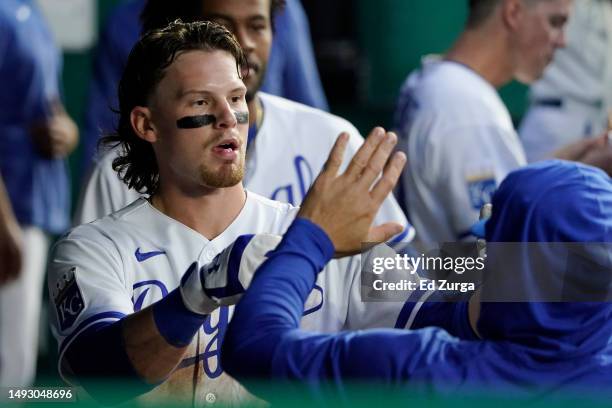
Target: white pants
{"x": 546, "y": 129}
{"x": 20, "y": 303}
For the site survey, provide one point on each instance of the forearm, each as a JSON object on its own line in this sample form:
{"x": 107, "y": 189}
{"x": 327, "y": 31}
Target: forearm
{"x": 152, "y": 357}
{"x": 144, "y": 347}
{"x": 264, "y": 341}
{"x": 273, "y": 305}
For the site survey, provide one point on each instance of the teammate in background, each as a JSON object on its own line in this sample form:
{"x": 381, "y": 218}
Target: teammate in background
{"x": 527, "y": 348}
{"x": 114, "y": 283}
{"x": 292, "y": 72}
{"x": 573, "y": 99}
{"x": 36, "y": 136}
{"x": 454, "y": 127}
{"x": 288, "y": 142}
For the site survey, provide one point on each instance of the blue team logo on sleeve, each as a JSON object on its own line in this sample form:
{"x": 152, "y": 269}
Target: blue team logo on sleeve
{"x": 68, "y": 299}
{"x": 481, "y": 192}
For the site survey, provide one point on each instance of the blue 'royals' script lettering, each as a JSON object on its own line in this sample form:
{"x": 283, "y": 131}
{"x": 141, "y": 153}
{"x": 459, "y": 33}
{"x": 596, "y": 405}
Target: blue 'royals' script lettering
{"x": 153, "y": 289}
{"x": 212, "y": 352}
{"x": 305, "y": 177}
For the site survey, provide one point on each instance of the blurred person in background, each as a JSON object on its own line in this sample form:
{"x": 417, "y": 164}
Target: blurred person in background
{"x": 573, "y": 99}
{"x": 291, "y": 73}
{"x": 456, "y": 130}
{"x": 36, "y": 136}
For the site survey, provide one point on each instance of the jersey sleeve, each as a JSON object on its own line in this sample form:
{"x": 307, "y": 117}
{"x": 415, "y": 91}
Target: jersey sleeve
{"x": 87, "y": 285}
{"x": 103, "y": 192}
{"x": 469, "y": 165}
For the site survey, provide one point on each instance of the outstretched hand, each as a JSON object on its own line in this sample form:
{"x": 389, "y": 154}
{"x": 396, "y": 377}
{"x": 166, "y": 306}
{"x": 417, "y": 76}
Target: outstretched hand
{"x": 345, "y": 205}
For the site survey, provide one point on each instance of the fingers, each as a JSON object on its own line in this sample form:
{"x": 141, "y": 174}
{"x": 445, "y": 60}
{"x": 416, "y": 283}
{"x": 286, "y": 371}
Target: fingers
{"x": 384, "y": 232}
{"x": 334, "y": 160}
{"x": 378, "y": 160}
{"x": 391, "y": 174}
{"x": 362, "y": 157}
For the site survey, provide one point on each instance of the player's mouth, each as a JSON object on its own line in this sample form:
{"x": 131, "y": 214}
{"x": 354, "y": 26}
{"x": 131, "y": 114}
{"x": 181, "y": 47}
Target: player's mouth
{"x": 227, "y": 149}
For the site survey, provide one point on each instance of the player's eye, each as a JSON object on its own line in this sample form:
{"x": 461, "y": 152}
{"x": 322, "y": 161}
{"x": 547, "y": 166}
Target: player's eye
{"x": 225, "y": 23}
{"x": 558, "y": 21}
{"x": 258, "y": 27}
{"x": 200, "y": 102}
{"x": 236, "y": 99}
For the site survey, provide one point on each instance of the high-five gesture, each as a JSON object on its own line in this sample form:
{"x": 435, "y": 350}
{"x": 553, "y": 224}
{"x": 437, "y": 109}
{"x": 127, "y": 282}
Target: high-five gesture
{"x": 345, "y": 205}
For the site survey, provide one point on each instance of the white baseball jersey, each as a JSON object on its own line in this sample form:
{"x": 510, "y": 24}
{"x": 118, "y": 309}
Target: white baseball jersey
{"x": 124, "y": 262}
{"x": 460, "y": 143}
{"x": 572, "y": 99}
{"x": 288, "y": 153}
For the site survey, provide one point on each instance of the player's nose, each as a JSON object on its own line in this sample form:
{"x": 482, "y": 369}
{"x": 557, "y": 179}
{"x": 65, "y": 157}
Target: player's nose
{"x": 246, "y": 41}
{"x": 226, "y": 117}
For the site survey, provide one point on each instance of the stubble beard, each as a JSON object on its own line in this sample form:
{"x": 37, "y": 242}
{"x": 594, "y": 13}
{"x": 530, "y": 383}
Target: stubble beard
{"x": 252, "y": 91}
{"x": 225, "y": 178}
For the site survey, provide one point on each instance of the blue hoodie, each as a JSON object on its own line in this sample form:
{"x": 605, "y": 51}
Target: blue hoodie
{"x": 526, "y": 348}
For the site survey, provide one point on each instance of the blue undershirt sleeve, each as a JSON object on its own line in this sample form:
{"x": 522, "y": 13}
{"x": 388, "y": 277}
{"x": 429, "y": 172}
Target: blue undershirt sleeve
{"x": 99, "y": 354}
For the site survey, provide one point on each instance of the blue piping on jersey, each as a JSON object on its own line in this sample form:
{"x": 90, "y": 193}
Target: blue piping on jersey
{"x": 88, "y": 321}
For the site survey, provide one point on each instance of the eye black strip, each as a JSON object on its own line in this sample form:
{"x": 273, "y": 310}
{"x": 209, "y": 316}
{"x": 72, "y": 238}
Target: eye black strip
{"x": 193, "y": 122}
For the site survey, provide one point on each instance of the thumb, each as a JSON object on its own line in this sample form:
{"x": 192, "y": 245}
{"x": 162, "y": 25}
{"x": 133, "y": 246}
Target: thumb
{"x": 384, "y": 232}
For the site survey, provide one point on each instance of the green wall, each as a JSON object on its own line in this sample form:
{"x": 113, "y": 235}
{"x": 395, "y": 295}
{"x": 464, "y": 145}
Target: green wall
{"x": 393, "y": 36}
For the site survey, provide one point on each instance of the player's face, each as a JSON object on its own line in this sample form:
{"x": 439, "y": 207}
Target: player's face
{"x": 540, "y": 33}
{"x": 249, "y": 20}
{"x": 192, "y": 147}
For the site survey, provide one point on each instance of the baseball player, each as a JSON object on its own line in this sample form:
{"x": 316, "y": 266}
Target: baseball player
{"x": 292, "y": 72}
{"x": 452, "y": 124}
{"x": 527, "y": 348}
{"x": 114, "y": 283}
{"x": 288, "y": 142}
{"x": 573, "y": 98}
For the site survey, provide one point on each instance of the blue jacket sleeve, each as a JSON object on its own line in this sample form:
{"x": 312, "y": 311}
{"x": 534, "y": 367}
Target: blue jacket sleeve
{"x": 264, "y": 341}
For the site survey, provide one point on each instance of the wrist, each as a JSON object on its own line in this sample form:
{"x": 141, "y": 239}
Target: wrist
{"x": 175, "y": 322}
{"x": 192, "y": 291}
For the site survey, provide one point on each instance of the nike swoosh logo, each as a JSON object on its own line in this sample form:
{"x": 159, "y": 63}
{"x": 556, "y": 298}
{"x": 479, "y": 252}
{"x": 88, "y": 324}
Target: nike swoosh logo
{"x": 143, "y": 256}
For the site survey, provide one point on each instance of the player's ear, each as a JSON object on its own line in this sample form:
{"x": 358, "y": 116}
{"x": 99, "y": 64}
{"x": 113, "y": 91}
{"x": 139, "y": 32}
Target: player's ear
{"x": 143, "y": 126}
{"x": 512, "y": 13}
